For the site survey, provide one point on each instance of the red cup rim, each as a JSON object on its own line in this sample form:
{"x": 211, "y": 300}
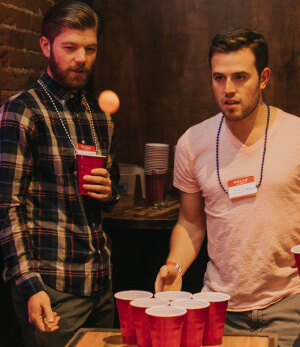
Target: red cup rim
{"x": 169, "y": 311}
{"x": 296, "y": 249}
{"x": 212, "y": 296}
{"x": 150, "y": 302}
{"x": 188, "y": 303}
{"x": 163, "y": 295}
{"x": 90, "y": 154}
{"x": 126, "y": 294}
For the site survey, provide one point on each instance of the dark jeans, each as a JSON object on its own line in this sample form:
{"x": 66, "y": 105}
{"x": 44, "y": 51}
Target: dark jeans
{"x": 282, "y": 318}
{"x": 10, "y": 330}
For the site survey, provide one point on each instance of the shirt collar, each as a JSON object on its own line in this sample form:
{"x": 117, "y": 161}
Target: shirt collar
{"x": 63, "y": 95}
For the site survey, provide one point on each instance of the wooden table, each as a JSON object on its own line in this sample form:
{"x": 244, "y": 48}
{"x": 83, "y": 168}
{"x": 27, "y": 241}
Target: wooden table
{"x": 113, "y": 338}
{"x": 143, "y": 217}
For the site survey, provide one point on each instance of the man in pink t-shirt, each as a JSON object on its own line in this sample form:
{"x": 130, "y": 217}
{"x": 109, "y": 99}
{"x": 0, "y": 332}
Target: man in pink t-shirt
{"x": 238, "y": 174}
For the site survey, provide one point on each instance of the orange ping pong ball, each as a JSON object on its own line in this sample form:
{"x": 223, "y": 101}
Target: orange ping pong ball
{"x": 109, "y": 101}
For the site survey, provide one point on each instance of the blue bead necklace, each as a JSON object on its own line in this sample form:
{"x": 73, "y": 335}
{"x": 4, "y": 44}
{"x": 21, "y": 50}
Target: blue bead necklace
{"x": 263, "y": 156}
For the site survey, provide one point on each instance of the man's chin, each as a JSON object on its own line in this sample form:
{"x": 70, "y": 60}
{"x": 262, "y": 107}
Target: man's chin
{"x": 75, "y": 83}
{"x": 232, "y": 116}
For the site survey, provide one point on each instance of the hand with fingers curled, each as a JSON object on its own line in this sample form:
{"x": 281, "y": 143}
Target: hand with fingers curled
{"x": 98, "y": 184}
{"x": 168, "y": 278}
{"x": 40, "y": 313}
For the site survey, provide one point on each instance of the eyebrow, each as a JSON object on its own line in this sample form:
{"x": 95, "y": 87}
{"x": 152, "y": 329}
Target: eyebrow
{"x": 76, "y": 44}
{"x": 235, "y": 73}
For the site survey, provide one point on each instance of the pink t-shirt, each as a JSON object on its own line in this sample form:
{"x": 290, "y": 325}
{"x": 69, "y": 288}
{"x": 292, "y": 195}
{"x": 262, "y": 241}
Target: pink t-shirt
{"x": 249, "y": 238}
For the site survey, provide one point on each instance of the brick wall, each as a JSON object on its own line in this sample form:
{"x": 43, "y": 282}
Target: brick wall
{"x": 21, "y": 60}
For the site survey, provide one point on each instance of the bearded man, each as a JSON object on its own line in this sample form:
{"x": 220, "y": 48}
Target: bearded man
{"x": 56, "y": 255}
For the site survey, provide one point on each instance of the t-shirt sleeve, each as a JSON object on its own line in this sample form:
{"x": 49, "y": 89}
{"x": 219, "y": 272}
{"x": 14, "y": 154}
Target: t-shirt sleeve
{"x": 184, "y": 177}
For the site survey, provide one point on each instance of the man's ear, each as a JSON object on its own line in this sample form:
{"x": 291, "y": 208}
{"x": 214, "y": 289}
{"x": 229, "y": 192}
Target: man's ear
{"x": 264, "y": 77}
{"x": 45, "y": 46}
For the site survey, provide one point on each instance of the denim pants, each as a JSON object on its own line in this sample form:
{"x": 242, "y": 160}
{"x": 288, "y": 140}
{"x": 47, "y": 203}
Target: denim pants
{"x": 75, "y": 313}
{"x": 282, "y": 318}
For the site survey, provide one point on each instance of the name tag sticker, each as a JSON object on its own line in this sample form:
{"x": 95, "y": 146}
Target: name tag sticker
{"x": 86, "y": 148}
{"x": 241, "y": 187}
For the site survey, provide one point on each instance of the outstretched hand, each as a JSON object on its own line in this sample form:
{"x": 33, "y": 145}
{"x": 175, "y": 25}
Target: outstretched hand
{"x": 168, "y": 278}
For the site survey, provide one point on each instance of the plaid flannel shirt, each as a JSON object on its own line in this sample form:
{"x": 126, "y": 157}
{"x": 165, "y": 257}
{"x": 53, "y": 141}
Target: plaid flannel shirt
{"x": 48, "y": 233}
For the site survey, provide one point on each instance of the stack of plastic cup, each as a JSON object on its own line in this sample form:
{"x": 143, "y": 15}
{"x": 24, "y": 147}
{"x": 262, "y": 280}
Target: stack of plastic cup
{"x": 123, "y": 300}
{"x": 156, "y": 157}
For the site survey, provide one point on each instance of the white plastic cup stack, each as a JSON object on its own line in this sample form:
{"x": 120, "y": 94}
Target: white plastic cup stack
{"x": 156, "y": 157}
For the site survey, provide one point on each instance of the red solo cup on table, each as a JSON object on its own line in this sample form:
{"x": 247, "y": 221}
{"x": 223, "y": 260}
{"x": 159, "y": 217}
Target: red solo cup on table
{"x": 173, "y": 295}
{"x": 159, "y": 180}
{"x": 149, "y": 189}
{"x": 214, "y": 325}
{"x": 165, "y": 325}
{"x": 296, "y": 251}
{"x": 193, "y": 322}
{"x": 85, "y": 164}
{"x": 138, "y": 309}
{"x": 123, "y": 300}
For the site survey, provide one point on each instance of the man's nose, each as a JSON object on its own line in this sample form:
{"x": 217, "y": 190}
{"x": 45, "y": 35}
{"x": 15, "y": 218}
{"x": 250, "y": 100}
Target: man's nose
{"x": 80, "y": 56}
{"x": 229, "y": 87}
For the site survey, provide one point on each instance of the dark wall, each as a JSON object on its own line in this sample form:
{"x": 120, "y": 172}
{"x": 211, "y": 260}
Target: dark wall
{"x": 153, "y": 53}
{"x": 21, "y": 59}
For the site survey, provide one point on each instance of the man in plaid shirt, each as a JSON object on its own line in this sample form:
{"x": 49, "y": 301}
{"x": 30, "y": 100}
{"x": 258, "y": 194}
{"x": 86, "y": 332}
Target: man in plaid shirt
{"x": 56, "y": 255}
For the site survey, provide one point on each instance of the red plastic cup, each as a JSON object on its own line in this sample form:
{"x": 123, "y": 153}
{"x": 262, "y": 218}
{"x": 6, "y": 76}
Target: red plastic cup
{"x": 85, "y": 164}
{"x": 296, "y": 251}
{"x": 194, "y": 321}
{"x": 165, "y": 325}
{"x": 149, "y": 189}
{"x": 123, "y": 300}
{"x": 173, "y": 295}
{"x": 142, "y": 329}
{"x": 159, "y": 179}
{"x": 214, "y": 326}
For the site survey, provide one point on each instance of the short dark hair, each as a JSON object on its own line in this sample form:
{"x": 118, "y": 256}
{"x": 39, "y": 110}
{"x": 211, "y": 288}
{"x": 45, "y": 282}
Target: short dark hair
{"x": 70, "y": 14}
{"x": 235, "y": 39}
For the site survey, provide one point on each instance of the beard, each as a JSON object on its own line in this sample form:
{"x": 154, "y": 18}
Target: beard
{"x": 64, "y": 77}
{"x": 246, "y": 109}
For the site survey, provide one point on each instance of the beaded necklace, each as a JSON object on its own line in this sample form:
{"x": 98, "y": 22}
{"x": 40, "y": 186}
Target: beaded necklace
{"x": 263, "y": 156}
{"x": 62, "y": 123}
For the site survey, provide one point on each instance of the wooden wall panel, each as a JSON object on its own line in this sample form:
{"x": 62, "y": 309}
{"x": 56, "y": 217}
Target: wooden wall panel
{"x": 153, "y": 53}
